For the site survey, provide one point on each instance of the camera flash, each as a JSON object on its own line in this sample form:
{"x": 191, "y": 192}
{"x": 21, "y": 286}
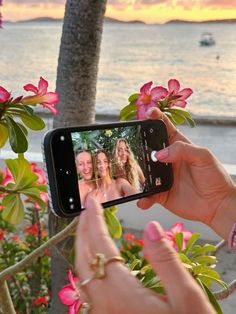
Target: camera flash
{"x": 153, "y": 156}
{"x": 71, "y": 199}
{"x": 62, "y": 138}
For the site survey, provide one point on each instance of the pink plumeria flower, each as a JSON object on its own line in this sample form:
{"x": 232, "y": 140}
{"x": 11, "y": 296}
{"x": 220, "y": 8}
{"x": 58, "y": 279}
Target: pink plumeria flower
{"x": 69, "y": 295}
{"x": 174, "y": 90}
{"x": 148, "y": 98}
{"x": 178, "y": 227}
{"x": 42, "y": 97}
{"x": 4, "y": 95}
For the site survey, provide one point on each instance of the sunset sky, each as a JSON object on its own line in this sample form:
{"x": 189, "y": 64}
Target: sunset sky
{"x": 149, "y": 11}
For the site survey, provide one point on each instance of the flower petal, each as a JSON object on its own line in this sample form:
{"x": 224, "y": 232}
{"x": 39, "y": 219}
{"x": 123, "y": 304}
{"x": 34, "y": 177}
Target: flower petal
{"x": 146, "y": 87}
{"x": 74, "y": 308}
{"x": 68, "y": 295}
{"x": 158, "y": 93}
{"x": 173, "y": 85}
{"x": 185, "y": 93}
{"x": 50, "y": 107}
{"x": 177, "y": 227}
{"x": 141, "y": 110}
{"x": 50, "y": 98}
{"x": 71, "y": 278}
{"x": 4, "y": 95}
{"x": 180, "y": 103}
{"x": 42, "y": 86}
{"x": 31, "y": 88}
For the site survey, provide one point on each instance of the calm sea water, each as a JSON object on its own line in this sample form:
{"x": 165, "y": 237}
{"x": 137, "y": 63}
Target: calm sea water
{"x": 132, "y": 55}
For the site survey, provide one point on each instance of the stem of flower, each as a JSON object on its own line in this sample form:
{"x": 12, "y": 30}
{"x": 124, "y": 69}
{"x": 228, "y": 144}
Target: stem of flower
{"x": 6, "y": 304}
{"x": 14, "y": 269}
{"x": 224, "y": 293}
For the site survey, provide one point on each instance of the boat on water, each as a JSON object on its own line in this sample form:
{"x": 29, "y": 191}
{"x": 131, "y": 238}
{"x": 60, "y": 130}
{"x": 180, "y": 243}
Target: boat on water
{"x": 207, "y": 39}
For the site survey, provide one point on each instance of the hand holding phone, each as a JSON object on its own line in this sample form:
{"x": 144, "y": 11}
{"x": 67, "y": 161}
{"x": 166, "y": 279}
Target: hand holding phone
{"x": 112, "y": 162}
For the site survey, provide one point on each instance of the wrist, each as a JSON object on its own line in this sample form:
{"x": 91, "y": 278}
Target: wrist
{"x": 225, "y": 216}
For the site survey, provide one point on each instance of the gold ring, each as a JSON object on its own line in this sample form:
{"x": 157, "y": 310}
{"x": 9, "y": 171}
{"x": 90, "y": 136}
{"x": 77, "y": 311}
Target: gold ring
{"x": 100, "y": 261}
{"x": 85, "y": 307}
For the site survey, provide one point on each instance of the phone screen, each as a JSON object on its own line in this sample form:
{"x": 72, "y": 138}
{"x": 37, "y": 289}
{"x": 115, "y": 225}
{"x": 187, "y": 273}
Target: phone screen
{"x": 111, "y": 162}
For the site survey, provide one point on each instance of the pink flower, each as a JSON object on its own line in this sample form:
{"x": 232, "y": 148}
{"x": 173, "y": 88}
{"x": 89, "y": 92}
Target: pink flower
{"x": 69, "y": 295}
{"x": 4, "y": 95}
{"x": 174, "y": 90}
{"x": 41, "y": 97}
{"x": 178, "y": 228}
{"x": 148, "y": 98}
{"x": 40, "y": 173}
{"x": 7, "y": 177}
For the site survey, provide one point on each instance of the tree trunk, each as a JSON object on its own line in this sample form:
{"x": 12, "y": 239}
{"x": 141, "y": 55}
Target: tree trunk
{"x": 76, "y": 84}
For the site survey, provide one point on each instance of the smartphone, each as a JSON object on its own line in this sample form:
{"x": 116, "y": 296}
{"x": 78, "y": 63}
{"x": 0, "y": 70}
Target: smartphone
{"x": 113, "y": 162}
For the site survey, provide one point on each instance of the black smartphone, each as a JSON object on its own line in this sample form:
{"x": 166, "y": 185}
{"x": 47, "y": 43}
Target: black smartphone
{"x": 113, "y": 162}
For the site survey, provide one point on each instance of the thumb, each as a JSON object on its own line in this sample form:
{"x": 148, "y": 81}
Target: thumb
{"x": 195, "y": 155}
{"x": 167, "y": 265}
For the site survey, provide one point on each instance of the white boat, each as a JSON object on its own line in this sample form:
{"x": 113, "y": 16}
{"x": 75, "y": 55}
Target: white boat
{"x": 207, "y": 39}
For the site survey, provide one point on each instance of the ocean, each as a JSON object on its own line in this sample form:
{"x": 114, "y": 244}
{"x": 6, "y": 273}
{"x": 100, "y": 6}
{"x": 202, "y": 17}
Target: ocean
{"x": 131, "y": 55}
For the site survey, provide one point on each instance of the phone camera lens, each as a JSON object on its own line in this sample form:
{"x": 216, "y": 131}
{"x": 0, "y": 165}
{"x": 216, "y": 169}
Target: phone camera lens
{"x": 72, "y": 206}
{"x": 151, "y": 130}
{"x": 62, "y": 138}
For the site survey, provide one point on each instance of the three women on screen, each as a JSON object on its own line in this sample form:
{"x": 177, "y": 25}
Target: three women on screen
{"x": 106, "y": 180}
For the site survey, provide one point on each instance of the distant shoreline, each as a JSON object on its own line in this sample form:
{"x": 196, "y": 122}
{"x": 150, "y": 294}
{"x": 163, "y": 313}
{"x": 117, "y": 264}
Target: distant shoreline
{"x": 112, "y": 20}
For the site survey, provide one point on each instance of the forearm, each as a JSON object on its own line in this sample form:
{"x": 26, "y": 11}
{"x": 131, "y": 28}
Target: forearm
{"x": 225, "y": 215}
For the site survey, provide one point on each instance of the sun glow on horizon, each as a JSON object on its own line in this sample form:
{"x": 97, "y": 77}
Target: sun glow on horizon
{"x": 158, "y": 13}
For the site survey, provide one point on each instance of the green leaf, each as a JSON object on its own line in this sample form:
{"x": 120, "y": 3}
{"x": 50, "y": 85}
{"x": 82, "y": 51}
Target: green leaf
{"x": 179, "y": 240}
{"x": 18, "y": 140}
{"x": 179, "y": 115}
{"x": 33, "y": 122}
{"x": 22, "y": 173}
{"x": 194, "y": 237}
{"x": 3, "y": 135}
{"x": 211, "y": 298}
{"x": 23, "y": 128}
{"x": 133, "y": 97}
{"x": 13, "y": 211}
{"x": 113, "y": 223}
{"x": 34, "y": 194}
{"x": 204, "y": 259}
{"x": 128, "y": 112}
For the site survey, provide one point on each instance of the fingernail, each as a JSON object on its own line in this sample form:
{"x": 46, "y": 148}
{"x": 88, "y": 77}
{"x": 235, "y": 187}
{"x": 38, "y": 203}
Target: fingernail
{"x": 149, "y": 112}
{"x": 162, "y": 154}
{"x": 153, "y": 231}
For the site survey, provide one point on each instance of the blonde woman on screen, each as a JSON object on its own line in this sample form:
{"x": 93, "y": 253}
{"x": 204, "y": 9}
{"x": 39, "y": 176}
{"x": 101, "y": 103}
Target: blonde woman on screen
{"x": 108, "y": 188}
{"x": 125, "y": 166}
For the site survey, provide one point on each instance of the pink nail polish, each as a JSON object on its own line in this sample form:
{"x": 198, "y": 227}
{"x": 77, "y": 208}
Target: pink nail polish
{"x": 153, "y": 231}
{"x": 162, "y": 154}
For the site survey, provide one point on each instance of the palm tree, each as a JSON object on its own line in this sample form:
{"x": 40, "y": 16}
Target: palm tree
{"x": 76, "y": 84}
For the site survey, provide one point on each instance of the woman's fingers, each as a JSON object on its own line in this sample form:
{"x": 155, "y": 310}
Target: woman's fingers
{"x": 181, "y": 151}
{"x": 176, "y": 279}
{"x": 173, "y": 133}
{"x": 100, "y": 240}
{"x": 82, "y": 253}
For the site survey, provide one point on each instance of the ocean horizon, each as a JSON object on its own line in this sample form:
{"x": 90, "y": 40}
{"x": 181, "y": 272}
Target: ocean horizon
{"x": 131, "y": 55}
